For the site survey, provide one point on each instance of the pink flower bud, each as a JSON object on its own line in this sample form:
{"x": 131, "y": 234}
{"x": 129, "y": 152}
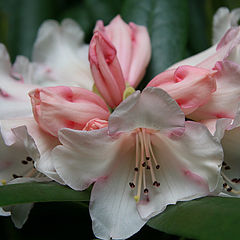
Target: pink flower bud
{"x": 106, "y": 69}
{"x": 190, "y": 86}
{"x": 133, "y": 47}
{"x": 66, "y": 107}
{"x": 95, "y": 124}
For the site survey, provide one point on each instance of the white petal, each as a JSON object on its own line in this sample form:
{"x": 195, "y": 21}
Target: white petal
{"x": 225, "y": 100}
{"x": 230, "y": 143}
{"x": 84, "y": 156}
{"x": 223, "y": 20}
{"x": 11, "y": 161}
{"x": 153, "y": 109}
{"x": 189, "y": 168}
{"x": 13, "y": 93}
{"x": 221, "y": 23}
{"x": 112, "y": 206}
{"x": 19, "y": 213}
{"x": 36, "y": 142}
{"x": 64, "y": 56}
{"x": 196, "y": 59}
{"x": 4, "y": 213}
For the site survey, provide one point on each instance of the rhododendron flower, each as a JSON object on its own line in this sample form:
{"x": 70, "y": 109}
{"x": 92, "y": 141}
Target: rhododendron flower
{"x": 17, "y": 166}
{"x": 222, "y": 68}
{"x": 119, "y": 53}
{"x": 227, "y": 131}
{"x": 147, "y": 158}
{"x": 191, "y": 87}
{"x": 70, "y": 107}
{"x": 220, "y": 112}
{"x": 60, "y": 57}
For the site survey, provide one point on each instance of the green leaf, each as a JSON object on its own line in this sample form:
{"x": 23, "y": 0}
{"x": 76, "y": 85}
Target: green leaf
{"x": 89, "y": 11}
{"x": 205, "y": 218}
{"x": 39, "y": 192}
{"x": 20, "y": 21}
{"x": 167, "y": 23}
{"x": 199, "y": 28}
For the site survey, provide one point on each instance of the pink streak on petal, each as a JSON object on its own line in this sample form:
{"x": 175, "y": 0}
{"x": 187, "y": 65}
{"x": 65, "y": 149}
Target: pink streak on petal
{"x": 66, "y": 107}
{"x": 195, "y": 178}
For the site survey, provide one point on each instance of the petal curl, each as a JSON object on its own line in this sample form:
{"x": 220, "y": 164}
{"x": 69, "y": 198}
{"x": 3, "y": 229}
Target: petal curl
{"x": 84, "y": 156}
{"x": 153, "y": 109}
{"x": 224, "y": 101}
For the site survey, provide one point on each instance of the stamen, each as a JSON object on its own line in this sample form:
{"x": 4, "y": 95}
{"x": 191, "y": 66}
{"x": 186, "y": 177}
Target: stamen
{"x": 144, "y": 181}
{"x": 233, "y": 183}
{"x": 132, "y": 185}
{"x": 147, "y": 153}
{"x": 29, "y": 159}
{"x": 143, "y": 163}
{"x": 137, "y": 197}
{"x": 151, "y": 151}
{"x": 16, "y": 176}
{"x": 156, "y": 184}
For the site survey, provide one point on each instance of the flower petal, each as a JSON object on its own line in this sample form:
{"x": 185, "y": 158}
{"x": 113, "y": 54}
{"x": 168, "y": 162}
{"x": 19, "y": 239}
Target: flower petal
{"x": 36, "y": 142}
{"x": 224, "y": 101}
{"x": 13, "y": 93}
{"x": 190, "y": 86}
{"x": 225, "y": 48}
{"x": 112, "y": 206}
{"x": 153, "y": 109}
{"x": 61, "y": 50}
{"x": 11, "y": 161}
{"x": 223, "y": 20}
{"x": 106, "y": 69}
{"x": 189, "y": 168}
{"x": 19, "y": 213}
{"x": 66, "y": 107}
{"x": 196, "y": 59}
{"x": 85, "y": 156}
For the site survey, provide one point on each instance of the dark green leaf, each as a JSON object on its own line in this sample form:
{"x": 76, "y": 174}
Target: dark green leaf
{"x": 39, "y": 192}
{"x": 167, "y": 23}
{"x": 199, "y": 32}
{"x": 20, "y": 20}
{"x": 89, "y": 11}
{"x": 205, "y": 218}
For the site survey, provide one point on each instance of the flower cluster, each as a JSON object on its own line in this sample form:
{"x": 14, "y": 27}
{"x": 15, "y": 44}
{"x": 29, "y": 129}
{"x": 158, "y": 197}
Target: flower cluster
{"x": 72, "y": 115}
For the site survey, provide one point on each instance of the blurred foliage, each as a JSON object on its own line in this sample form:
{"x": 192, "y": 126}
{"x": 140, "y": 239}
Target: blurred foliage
{"x": 177, "y": 28}
{"x": 167, "y": 23}
{"x": 205, "y": 218}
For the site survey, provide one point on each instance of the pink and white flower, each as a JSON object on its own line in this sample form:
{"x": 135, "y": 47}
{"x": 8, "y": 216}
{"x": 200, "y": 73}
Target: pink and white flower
{"x": 119, "y": 54}
{"x": 147, "y": 158}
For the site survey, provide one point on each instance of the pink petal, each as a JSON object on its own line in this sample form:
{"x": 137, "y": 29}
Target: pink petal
{"x": 106, "y": 69}
{"x": 190, "y": 86}
{"x": 72, "y": 107}
{"x": 224, "y": 101}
